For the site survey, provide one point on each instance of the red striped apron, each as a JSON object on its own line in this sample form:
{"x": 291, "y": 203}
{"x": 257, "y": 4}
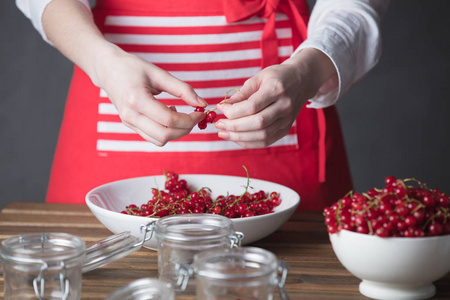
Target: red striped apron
{"x": 214, "y": 46}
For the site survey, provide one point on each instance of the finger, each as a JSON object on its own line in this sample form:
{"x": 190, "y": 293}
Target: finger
{"x": 155, "y": 132}
{"x": 250, "y": 87}
{"x": 266, "y": 135}
{"x": 253, "y": 145}
{"x": 259, "y": 138}
{"x": 247, "y": 140}
{"x": 255, "y": 103}
{"x": 236, "y": 96}
{"x": 147, "y": 105}
{"x": 257, "y": 121}
{"x": 144, "y": 135}
{"x": 175, "y": 87}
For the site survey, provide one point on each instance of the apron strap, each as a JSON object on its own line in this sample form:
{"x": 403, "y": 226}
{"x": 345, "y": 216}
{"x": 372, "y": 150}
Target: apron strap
{"x": 322, "y": 154}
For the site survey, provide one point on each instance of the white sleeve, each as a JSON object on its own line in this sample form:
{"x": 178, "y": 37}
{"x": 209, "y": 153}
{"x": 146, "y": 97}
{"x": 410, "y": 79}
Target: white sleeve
{"x": 348, "y": 32}
{"x": 33, "y": 10}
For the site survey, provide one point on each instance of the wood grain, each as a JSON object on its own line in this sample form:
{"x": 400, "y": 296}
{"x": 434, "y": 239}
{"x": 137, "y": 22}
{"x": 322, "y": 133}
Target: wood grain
{"x": 314, "y": 271}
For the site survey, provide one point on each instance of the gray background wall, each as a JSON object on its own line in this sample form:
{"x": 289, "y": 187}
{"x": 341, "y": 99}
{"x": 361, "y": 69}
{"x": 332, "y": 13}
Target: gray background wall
{"x": 395, "y": 122}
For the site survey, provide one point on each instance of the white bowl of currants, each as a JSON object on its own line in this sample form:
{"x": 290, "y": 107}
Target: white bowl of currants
{"x": 257, "y": 208}
{"x": 395, "y": 239}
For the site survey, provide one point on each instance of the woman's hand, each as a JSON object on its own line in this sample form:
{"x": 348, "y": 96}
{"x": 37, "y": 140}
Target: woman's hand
{"x": 131, "y": 83}
{"x": 267, "y": 105}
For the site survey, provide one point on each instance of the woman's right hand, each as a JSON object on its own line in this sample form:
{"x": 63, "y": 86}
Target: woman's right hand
{"x": 131, "y": 84}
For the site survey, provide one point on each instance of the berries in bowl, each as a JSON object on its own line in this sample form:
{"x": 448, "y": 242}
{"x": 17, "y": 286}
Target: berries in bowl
{"x": 395, "y": 239}
{"x": 257, "y": 208}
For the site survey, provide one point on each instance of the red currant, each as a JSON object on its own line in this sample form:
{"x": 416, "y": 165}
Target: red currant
{"x": 382, "y": 232}
{"x": 210, "y": 117}
{"x": 435, "y": 228}
{"x": 202, "y": 124}
{"x": 390, "y": 181}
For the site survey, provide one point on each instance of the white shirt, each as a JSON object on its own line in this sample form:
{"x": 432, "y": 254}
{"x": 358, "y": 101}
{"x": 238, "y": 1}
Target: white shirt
{"x": 347, "y": 31}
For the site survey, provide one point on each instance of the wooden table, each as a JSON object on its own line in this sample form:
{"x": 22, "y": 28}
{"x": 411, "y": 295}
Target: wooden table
{"x": 315, "y": 273}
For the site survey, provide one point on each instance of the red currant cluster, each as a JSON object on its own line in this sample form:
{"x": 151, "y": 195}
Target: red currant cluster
{"x": 177, "y": 198}
{"x": 210, "y": 115}
{"x": 397, "y": 210}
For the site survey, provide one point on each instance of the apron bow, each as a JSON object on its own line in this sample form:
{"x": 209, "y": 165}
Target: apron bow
{"x": 240, "y": 10}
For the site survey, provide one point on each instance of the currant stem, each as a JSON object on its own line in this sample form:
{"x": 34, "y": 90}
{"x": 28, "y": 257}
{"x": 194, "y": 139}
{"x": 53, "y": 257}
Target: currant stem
{"x": 370, "y": 227}
{"x": 226, "y": 95}
{"x": 248, "y": 180}
{"x": 245, "y": 192}
{"x": 221, "y": 102}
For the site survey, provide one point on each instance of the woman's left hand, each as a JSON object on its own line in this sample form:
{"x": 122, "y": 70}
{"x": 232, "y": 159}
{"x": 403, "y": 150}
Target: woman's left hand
{"x": 267, "y": 105}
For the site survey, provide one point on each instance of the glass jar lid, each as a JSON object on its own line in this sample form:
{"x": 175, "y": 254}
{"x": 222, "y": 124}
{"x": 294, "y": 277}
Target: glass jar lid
{"x": 235, "y": 263}
{"x": 194, "y": 227}
{"x": 109, "y": 250}
{"x": 144, "y": 289}
{"x": 38, "y": 247}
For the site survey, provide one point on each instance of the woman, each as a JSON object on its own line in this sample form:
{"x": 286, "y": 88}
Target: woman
{"x": 143, "y": 66}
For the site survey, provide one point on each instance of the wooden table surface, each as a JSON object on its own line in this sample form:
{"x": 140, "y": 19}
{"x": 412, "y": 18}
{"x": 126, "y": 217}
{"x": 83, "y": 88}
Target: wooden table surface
{"x": 315, "y": 273}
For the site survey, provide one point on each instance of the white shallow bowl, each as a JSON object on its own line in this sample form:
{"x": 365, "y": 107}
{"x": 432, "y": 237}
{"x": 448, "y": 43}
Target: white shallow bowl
{"x": 393, "y": 268}
{"x": 107, "y": 201}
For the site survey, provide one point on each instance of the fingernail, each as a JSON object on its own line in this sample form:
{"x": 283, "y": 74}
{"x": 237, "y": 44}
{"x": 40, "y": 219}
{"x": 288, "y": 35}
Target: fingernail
{"x": 219, "y": 125}
{"x": 224, "y": 135}
{"x": 202, "y": 101}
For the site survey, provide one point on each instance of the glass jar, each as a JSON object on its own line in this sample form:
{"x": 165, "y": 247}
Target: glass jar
{"x": 180, "y": 237}
{"x": 243, "y": 273}
{"x": 43, "y": 266}
{"x": 144, "y": 289}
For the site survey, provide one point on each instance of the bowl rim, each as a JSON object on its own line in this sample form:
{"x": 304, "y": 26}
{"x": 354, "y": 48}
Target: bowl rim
{"x": 293, "y": 206}
{"x": 391, "y": 238}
